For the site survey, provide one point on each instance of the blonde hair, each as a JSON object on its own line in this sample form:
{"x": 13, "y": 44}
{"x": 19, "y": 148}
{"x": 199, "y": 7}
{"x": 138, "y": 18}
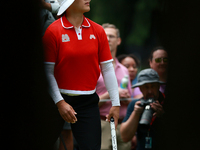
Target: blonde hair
{"x": 108, "y": 25}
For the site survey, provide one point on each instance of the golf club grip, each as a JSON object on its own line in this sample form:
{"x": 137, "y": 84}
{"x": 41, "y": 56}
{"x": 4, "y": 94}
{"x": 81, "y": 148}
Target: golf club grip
{"x": 113, "y": 133}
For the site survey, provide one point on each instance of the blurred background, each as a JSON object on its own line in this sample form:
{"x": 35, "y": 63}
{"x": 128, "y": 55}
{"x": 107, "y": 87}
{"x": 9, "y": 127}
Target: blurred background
{"x": 137, "y": 20}
{"x": 143, "y": 25}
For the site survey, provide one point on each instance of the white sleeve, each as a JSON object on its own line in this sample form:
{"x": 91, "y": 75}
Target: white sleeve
{"x": 53, "y": 87}
{"x": 55, "y": 7}
{"x": 110, "y": 81}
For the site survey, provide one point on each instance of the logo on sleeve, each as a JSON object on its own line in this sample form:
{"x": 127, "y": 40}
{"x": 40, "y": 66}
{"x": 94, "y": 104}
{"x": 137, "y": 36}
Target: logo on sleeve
{"x": 92, "y": 36}
{"x": 65, "y": 38}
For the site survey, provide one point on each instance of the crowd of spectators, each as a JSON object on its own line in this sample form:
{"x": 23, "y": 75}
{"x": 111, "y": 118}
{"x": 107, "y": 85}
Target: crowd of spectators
{"x": 124, "y": 64}
{"x": 27, "y": 107}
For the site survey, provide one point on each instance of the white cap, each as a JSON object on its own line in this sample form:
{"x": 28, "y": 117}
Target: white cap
{"x": 64, "y": 4}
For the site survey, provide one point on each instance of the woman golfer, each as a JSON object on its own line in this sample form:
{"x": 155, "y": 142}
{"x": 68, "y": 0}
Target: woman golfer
{"x": 76, "y": 49}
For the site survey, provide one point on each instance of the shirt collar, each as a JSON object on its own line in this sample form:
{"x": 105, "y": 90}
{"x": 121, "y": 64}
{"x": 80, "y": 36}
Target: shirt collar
{"x": 67, "y": 25}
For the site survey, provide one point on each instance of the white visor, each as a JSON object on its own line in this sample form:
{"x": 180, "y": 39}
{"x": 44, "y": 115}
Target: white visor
{"x": 64, "y": 4}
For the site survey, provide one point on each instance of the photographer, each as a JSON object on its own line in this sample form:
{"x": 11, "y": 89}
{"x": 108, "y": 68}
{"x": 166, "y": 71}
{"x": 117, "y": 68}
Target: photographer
{"x": 149, "y": 84}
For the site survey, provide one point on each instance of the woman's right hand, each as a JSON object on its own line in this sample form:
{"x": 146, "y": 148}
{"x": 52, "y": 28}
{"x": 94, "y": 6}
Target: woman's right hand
{"x": 66, "y": 111}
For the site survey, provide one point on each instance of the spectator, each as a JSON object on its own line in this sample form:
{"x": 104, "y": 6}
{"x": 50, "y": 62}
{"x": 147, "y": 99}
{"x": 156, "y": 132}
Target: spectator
{"x": 49, "y": 9}
{"x": 75, "y": 39}
{"x": 149, "y": 83}
{"x": 114, "y": 40}
{"x": 132, "y": 63}
{"x": 52, "y": 6}
{"x": 46, "y": 14}
{"x": 159, "y": 62}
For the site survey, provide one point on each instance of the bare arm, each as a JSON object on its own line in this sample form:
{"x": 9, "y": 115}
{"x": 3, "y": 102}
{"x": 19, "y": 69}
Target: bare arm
{"x": 129, "y": 127}
{"x": 46, "y": 5}
{"x": 103, "y": 96}
{"x": 123, "y": 93}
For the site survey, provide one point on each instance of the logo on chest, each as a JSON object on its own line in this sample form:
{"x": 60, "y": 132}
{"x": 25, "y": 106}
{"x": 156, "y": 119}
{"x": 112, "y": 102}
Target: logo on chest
{"x": 92, "y": 36}
{"x": 65, "y": 38}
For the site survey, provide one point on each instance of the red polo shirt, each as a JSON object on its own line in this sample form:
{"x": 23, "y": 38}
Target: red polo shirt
{"x": 76, "y": 53}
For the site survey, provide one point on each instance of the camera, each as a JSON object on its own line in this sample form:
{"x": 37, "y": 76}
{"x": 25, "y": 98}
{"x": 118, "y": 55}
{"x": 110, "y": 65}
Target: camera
{"x": 147, "y": 113}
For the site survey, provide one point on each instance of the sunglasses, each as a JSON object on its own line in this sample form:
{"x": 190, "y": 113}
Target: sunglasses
{"x": 158, "y": 60}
